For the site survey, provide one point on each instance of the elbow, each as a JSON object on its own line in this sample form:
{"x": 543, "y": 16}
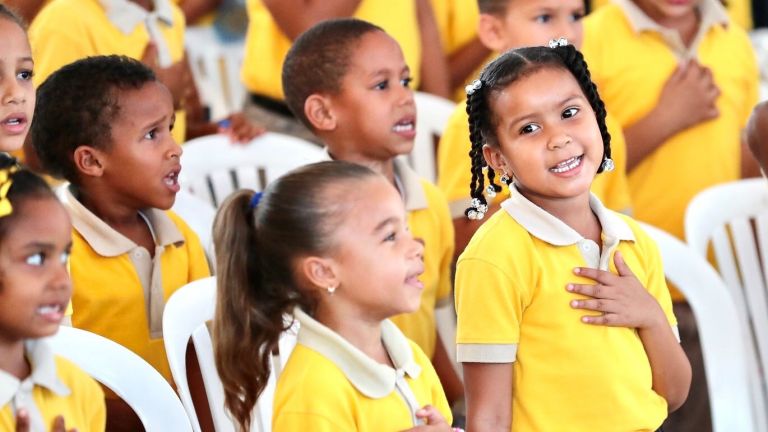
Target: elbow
{"x": 678, "y": 393}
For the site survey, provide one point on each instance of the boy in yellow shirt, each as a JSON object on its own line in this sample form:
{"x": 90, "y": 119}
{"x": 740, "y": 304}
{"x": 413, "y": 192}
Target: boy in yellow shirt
{"x": 348, "y": 82}
{"x": 104, "y": 124}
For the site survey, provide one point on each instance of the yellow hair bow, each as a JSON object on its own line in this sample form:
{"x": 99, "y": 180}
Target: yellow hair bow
{"x": 5, "y": 185}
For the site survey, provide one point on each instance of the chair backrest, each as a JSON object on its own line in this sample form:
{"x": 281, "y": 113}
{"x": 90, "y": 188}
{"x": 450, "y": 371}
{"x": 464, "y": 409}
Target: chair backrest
{"x": 733, "y": 218}
{"x": 213, "y": 167}
{"x": 199, "y": 215}
{"x": 216, "y": 70}
{"x": 125, "y": 373}
{"x": 185, "y": 317}
{"x": 432, "y": 114}
{"x": 721, "y": 332}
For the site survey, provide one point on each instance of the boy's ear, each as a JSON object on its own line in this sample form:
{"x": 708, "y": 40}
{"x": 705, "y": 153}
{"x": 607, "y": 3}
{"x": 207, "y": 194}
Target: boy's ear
{"x": 491, "y": 32}
{"x": 87, "y": 160}
{"x": 318, "y": 110}
{"x": 320, "y": 272}
{"x": 495, "y": 160}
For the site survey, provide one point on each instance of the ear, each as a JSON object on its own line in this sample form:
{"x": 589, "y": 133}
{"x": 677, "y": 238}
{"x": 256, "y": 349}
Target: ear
{"x": 490, "y": 31}
{"x": 318, "y": 110}
{"x": 88, "y": 161}
{"x": 320, "y": 272}
{"x": 495, "y": 159}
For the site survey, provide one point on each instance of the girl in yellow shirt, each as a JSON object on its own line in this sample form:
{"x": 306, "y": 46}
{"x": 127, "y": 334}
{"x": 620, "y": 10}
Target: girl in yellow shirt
{"x": 329, "y": 244}
{"x": 17, "y": 93}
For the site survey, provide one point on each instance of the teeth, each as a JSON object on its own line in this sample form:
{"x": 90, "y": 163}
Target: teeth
{"x": 403, "y": 127}
{"x": 567, "y": 165}
{"x": 171, "y": 180}
{"x": 44, "y": 310}
{"x": 13, "y": 122}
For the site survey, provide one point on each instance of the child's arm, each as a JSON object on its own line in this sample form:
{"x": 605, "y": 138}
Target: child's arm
{"x": 687, "y": 99}
{"x": 488, "y": 394}
{"x": 624, "y": 302}
{"x": 466, "y": 60}
{"x": 433, "y": 421}
{"x": 435, "y": 78}
{"x": 757, "y": 135}
{"x": 22, "y": 423}
{"x": 295, "y": 16}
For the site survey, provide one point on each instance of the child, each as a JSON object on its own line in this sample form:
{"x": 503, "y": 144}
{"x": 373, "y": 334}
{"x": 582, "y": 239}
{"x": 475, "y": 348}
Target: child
{"x": 505, "y": 25}
{"x": 104, "y": 124}
{"x": 17, "y": 94}
{"x": 329, "y": 243}
{"x": 532, "y": 359}
{"x": 757, "y": 135}
{"x": 39, "y": 391}
{"x": 348, "y": 82}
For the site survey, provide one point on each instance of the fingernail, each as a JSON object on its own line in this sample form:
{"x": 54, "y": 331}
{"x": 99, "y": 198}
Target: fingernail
{"x": 577, "y": 270}
{"x": 574, "y": 303}
{"x": 569, "y": 287}
{"x": 586, "y": 319}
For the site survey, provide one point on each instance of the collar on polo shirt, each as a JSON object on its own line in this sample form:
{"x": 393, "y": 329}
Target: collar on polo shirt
{"x": 712, "y": 13}
{"x": 407, "y": 182}
{"x": 127, "y": 15}
{"x": 369, "y": 377}
{"x": 105, "y": 240}
{"x": 43, "y": 365}
{"x": 552, "y": 230}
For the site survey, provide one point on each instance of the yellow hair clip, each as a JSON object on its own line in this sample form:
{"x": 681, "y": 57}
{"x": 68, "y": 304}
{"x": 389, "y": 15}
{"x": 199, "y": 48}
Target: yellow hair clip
{"x": 5, "y": 185}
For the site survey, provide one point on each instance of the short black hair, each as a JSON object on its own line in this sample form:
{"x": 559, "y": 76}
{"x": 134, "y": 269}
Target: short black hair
{"x": 11, "y": 15}
{"x": 77, "y": 104}
{"x": 319, "y": 59}
{"x": 493, "y": 7}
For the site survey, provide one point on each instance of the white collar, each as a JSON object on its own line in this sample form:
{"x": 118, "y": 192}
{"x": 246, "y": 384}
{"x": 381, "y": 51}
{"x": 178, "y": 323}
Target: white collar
{"x": 369, "y": 377}
{"x": 552, "y": 230}
{"x": 43, "y": 364}
{"x": 127, "y": 15}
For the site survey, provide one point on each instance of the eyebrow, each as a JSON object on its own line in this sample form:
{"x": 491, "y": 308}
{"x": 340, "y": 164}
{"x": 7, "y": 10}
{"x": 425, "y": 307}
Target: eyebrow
{"x": 385, "y": 222}
{"x": 565, "y": 101}
{"x": 385, "y": 71}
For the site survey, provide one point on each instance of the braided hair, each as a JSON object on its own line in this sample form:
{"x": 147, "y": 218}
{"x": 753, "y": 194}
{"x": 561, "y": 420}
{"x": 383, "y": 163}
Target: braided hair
{"x": 495, "y": 77}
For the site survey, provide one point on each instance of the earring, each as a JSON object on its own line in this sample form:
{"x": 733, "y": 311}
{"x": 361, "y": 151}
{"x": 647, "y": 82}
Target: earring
{"x": 331, "y": 289}
{"x": 490, "y": 191}
{"x": 607, "y": 165}
{"x": 504, "y": 179}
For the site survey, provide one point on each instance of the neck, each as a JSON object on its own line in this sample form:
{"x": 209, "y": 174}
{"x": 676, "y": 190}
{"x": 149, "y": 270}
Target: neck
{"x": 146, "y": 4}
{"x": 363, "y": 333}
{"x": 108, "y": 209}
{"x": 12, "y": 358}
{"x": 687, "y": 25}
{"x": 574, "y": 212}
{"x": 384, "y": 167}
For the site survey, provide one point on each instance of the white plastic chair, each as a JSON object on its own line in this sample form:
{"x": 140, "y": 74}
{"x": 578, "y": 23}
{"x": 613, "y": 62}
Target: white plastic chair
{"x": 199, "y": 215}
{"x": 720, "y": 331}
{"x": 216, "y": 69}
{"x": 733, "y": 218}
{"x": 759, "y": 39}
{"x": 184, "y": 317}
{"x": 125, "y": 373}
{"x": 213, "y": 167}
{"x": 432, "y": 114}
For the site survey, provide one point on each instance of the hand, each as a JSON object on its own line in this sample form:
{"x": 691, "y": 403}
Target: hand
{"x": 22, "y": 423}
{"x": 621, "y": 299}
{"x": 433, "y": 421}
{"x": 689, "y": 96}
{"x": 239, "y": 129}
{"x": 177, "y": 77}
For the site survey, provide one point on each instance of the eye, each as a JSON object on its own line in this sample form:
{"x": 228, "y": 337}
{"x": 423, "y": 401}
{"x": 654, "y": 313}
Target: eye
{"x": 383, "y": 85}
{"x": 543, "y": 18}
{"x": 390, "y": 237}
{"x": 25, "y": 75}
{"x": 406, "y": 82}
{"x": 529, "y": 129}
{"x": 577, "y": 16}
{"x": 36, "y": 259}
{"x": 152, "y": 134}
{"x": 570, "y": 112}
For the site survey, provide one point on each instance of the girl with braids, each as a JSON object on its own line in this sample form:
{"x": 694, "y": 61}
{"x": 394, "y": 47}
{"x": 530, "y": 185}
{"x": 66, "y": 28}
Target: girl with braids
{"x": 17, "y": 93}
{"x": 562, "y": 306}
{"x": 329, "y": 244}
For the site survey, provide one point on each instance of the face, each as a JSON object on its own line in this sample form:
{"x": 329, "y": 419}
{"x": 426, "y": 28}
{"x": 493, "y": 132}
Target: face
{"x": 377, "y": 259}
{"x": 374, "y": 110}
{"x": 757, "y": 135}
{"x": 667, "y": 11}
{"x": 35, "y": 285}
{"x": 536, "y": 22}
{"x": 17, "y": 94}
{"x": 142, "y": 166}
{"x": 549, "y": 140}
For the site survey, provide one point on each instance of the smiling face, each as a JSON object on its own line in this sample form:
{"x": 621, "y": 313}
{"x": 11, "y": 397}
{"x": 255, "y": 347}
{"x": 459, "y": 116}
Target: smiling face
{"x": 17, "y": 94}
{"x": 666, "y": 12}
{"x": 374, "y": 110}
{"x": 141, "y": 165}
{"x": 534, "y": 23}
{"x": 35, "y": 286}
{"x": 377, "y": 260}
{"x": 549, "y": 140}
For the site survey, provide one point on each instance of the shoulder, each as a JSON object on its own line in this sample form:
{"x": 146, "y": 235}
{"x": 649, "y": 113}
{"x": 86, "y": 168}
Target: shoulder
{"x": 67, "y": 14}
{"x": 436, "y": 201}
{"x": 83, "y": 387}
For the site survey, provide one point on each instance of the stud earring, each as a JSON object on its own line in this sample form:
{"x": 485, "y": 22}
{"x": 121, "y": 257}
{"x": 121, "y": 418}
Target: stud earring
{"x": 504, "y": 179}
{"x": 331, "y": 289}
{"x": 607, "y": 165}
{"x": 490, "y": 191}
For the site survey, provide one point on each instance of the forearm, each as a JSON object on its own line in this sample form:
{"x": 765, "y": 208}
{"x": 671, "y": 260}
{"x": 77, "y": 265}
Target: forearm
{"x": 434, "y": 67}
{"x": 445, "y": 371}
{"x": 466, "y": 60}
{"x": 749, "y": 165}
{"x": 488, "y": 393}
{"x": 670, "y": 367}
{"x": 295, "y": 16}
{"x": 645, "y": 136}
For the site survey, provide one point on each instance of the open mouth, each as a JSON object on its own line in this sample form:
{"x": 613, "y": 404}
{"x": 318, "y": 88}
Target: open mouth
{"x": 172, "y": 179}
{"x": 404, "y": 126}
{"x": 52, "y": 312}
{"x": 14, "y": 121}
{"x": 567, "y": 165}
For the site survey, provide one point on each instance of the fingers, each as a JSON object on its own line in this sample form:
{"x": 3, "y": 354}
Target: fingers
{"x": 58, "y": 424}
{"x": 621, "y": 266}
{"x": 430, "y": 415}
{"x": 22, "y": 421}
{"x": 600, "y": 276}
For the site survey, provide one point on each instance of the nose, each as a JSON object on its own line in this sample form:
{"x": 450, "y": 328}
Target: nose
{"x": 175, "y": 150}
{"x": 61, "y": 280}
{"x": 12, "y": 91}
{"x": 417, "y": 248}
{"x": 405, "y": 97}
{"x": 559, "y": 139}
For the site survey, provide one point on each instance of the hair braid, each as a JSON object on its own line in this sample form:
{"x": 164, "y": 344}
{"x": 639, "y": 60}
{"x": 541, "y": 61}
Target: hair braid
{"x": 477, "y": 184}
{"x": 574, "y": 61}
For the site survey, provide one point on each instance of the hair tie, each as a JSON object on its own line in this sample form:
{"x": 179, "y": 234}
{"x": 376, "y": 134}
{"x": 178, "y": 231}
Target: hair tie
{"x": 5, "y": 186}
{"x": 255, "y": 200}
{"x": 560, "y": 42}
{"x": 472, "y": 87}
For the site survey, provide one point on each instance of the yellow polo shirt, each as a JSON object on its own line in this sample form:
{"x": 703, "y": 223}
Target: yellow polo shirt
{"x": 55, "y": 387}
{"x": 68, "y": 30}
{"x": 266, "y": 45}
{"x": 454, "y": 165}
{"x": 330, "y": 385}
{"x": 631, "y": 67}
{"x": 118, "y": 290}
{"x": 513, "y": 307}
{"x": 740, "y": 11}
{"x": 428, "y": 219}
